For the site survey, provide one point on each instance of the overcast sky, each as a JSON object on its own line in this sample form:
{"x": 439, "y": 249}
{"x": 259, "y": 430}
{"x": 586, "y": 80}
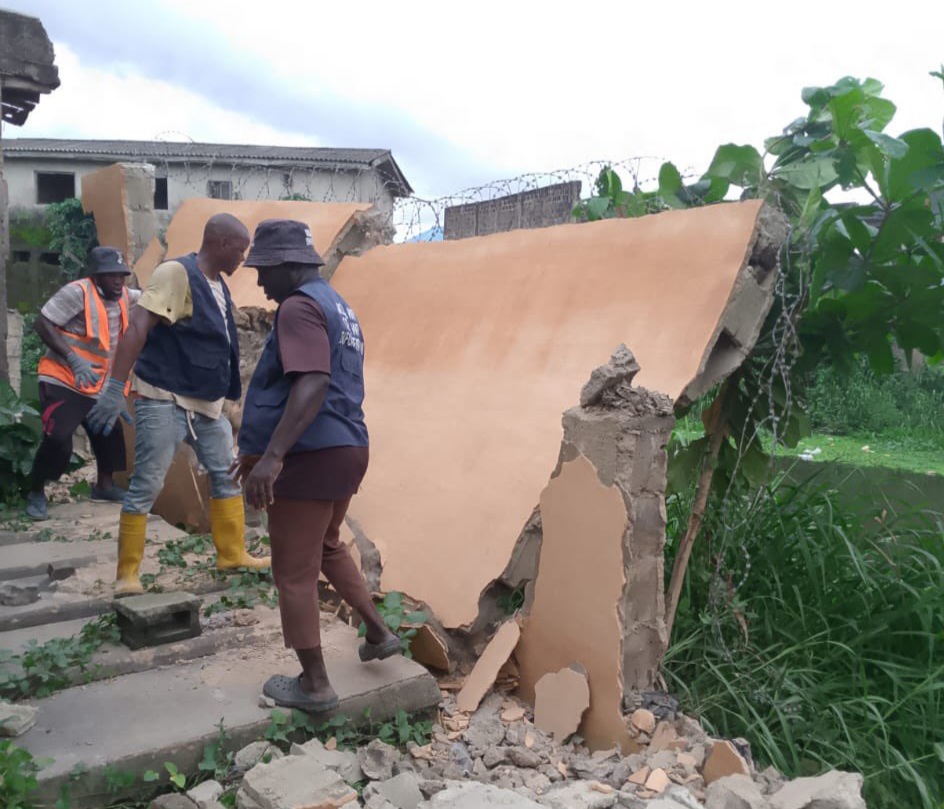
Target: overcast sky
{"x": 466, "y": 93}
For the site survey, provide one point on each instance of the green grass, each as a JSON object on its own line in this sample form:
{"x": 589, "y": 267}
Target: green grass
{"x": 873, "y": 451}
{"x": 818, "y": 635}
{"x": 922, "y": 455}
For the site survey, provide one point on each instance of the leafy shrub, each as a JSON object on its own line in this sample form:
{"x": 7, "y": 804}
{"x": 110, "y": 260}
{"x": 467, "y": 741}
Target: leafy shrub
{"x": 73, "y": 234}
{"x": 20, "y": 434}
{"x": 859, "y": 402}
{"x": 31, "y": 352}
{"x": 18, "y": 779}
{"x": 819, "y": 636}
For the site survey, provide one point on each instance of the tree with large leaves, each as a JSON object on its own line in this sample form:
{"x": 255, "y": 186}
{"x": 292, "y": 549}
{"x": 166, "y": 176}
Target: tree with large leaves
{"x": 862, "y": 271}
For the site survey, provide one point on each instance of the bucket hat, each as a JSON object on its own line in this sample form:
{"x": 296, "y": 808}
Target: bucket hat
{"x": 279, "y": 241}
{"x": 103, "y": 260}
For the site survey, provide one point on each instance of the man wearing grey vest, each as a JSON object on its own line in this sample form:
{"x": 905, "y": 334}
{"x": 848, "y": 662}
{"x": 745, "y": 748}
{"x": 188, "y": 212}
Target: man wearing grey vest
{"x": 303, "y": 450}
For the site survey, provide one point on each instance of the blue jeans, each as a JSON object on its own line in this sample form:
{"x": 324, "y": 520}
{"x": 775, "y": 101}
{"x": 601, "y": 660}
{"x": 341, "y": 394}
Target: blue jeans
{"x": 159, "y": 428}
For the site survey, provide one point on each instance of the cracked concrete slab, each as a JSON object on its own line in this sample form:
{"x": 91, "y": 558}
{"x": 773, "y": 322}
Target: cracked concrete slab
{"x": 178, "y": 709}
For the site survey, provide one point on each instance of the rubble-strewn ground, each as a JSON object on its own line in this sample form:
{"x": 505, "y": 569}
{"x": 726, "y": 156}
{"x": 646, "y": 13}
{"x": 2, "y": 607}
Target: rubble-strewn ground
{"x": 494, "y": 756}
{"x": 497, "y": 757}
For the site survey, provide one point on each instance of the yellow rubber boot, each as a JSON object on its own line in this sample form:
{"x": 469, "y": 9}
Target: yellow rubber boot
{"x": 228, "y": 526}
{"x": 131, "y": 530}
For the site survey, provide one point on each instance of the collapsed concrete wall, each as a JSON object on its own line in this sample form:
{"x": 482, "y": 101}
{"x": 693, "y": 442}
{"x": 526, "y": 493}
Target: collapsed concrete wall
{"x": 475, "y": 347}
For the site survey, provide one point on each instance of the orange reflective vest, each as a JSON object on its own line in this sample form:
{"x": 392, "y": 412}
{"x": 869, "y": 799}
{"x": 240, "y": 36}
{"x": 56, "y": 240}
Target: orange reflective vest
{"x": 95, "y": 345}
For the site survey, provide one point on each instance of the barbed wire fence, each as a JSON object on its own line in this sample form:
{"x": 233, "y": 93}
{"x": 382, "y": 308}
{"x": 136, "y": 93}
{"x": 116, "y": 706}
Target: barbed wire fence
{"x": 412, "y": 217}
{"x": 419, "y": 219}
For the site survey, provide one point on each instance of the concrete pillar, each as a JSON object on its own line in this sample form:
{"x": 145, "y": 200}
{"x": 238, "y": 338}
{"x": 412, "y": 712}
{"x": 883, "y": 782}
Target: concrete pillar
{"x": 14, "y": 352}
{"x": 4, "y": 258}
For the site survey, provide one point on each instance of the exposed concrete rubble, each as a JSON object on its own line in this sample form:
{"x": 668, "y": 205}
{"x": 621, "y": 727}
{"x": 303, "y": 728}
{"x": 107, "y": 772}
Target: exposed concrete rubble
{"x": 605, "y": 504}
{"x": 498, "y": 757}
{"x": 743, "y": 317}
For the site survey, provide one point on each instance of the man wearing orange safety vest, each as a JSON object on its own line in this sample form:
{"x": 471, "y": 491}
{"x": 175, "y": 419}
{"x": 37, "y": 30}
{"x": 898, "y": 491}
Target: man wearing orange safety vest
{"x": 81, "y": 325}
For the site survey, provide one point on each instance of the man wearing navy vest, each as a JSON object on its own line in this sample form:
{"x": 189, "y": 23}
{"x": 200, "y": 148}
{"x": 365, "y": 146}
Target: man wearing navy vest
{"x": 303, "y": 450}
{"x": 183, "y": 345}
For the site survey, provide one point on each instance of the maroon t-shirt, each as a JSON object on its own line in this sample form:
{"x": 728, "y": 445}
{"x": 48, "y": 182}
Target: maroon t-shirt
{"x": 324, "y": 474}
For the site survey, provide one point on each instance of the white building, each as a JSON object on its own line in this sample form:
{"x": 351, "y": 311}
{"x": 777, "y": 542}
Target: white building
{"x": 44, "y": 170}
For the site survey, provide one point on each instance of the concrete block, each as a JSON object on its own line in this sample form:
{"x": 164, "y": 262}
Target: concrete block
{"x": 378, "y": 759}
{"x": 579, "y": 795}
{"x": 296, "y": 781}
{"x": 833, "y": 790}
{"x": 403, "y": 790}
{"x": 57, "y": 571}
{"x": 15, "y": 594}
{"x": 205, "y": 794}
{"x": 15, "y": 720}
{"x": 172, "y": 801}
{"x": 343, "y": 762}
{"x": 473, "y": 795}
{"x": 735, "y": 792}
{"x": 157, "y": 618}
{"x": 256, "y": 753}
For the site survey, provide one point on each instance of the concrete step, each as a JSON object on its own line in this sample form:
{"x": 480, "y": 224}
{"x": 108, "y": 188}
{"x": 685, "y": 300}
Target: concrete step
{"x": 16, "y": 640}
{"x": 56, "y": 606}
{"x": 137, "y": 722}
{"x": 53, "y": 607}
{"x": 116, "y": 660}
{"x": 21, "y": 561}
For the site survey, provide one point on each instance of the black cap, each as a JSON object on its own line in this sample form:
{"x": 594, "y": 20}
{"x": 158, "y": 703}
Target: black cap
{"x": 280, "y": 241}
{"x": 102, "y": 260}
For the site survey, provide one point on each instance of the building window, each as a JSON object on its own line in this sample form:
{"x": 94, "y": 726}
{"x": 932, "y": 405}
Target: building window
{"x": 160, "y": 193}
{"x": 54, "y": 187}
{"x": 220, "y": 189}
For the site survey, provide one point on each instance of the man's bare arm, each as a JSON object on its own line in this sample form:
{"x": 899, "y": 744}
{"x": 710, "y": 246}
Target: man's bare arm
{"x": 140, "y": 323}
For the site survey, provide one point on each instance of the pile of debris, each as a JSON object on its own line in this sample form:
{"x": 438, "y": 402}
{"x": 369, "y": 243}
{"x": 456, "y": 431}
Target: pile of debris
{"x": 498, "y": 757}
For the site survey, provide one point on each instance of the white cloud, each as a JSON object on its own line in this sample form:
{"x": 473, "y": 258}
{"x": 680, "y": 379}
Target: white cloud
{"x": 120, "y": 104}
{"x": 530, "y": 85}
{"x": 514, "y": 86}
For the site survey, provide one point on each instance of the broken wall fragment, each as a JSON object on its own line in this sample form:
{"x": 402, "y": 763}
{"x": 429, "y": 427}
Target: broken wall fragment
{"x": 121, "y": 198}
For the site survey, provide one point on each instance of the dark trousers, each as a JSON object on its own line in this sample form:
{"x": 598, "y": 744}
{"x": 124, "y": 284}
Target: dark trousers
{"x": 63, "y": 410}
{"x": 305, "y": 538}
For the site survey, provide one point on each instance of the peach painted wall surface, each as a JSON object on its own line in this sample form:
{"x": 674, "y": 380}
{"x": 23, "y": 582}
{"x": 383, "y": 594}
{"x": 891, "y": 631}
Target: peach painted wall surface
{"x": 326, "y": 219}
{"x": 104, "y": 194}
{"x": 475, "y": 347}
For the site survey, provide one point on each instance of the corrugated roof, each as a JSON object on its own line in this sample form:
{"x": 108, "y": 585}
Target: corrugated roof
{"x": 133, "y": 150}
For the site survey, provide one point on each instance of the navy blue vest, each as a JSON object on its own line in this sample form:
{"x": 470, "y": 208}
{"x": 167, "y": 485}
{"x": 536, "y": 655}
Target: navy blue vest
{"x": 193, "y": 357}
{"x": 340, "y": 421}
